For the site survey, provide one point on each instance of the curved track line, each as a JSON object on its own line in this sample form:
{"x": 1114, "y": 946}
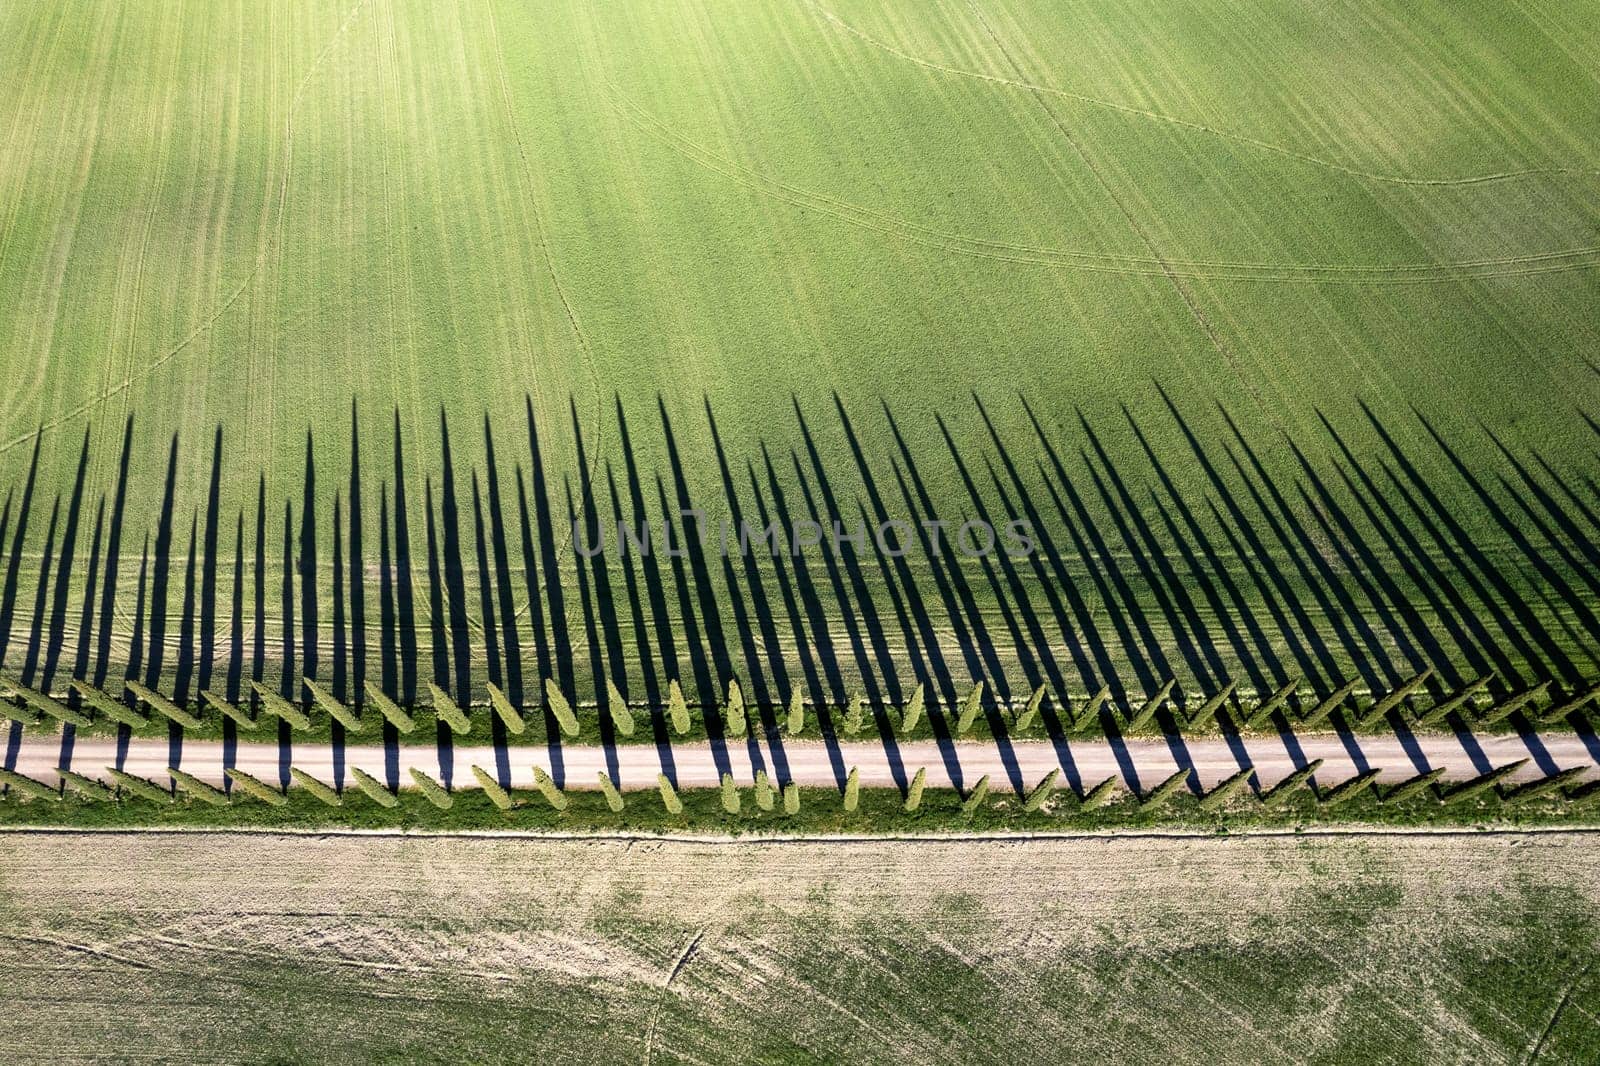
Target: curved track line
{"x": 978, "y": 247}
{"x": 168, "y": 354}
{"x": 1241, "y": 138}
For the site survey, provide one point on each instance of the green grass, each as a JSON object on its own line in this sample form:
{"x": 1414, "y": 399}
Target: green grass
{"x": 250, "y": 216}
{"x": 880, "y": 811}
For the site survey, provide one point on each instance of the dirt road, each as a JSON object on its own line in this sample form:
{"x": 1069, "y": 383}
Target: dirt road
{"x": 1140, "y": 762}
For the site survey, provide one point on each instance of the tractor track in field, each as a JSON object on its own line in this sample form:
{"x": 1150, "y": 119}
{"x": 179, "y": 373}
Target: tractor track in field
{"x": 245, "y": 285}
{"x": 1400, "y": 274}
{"x": 1198, "y": 127}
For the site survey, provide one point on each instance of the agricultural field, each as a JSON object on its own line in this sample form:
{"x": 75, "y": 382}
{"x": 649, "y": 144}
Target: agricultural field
{"x": 334, "y": 333}
{"x": 1261, "y": 949}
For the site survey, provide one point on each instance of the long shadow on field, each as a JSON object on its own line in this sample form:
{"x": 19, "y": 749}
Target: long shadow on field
{"x": 511, "y": 641}
{"x": 56, "y": 639}
{"x": 762, "y": 693}
{"x": 287, "y": 687}
{"x": 80, "y": 663}
{"x": 455, "y": 578}
{"x": 388, "y": 644}
{"x": 340, "y": 651}
{"x": 597, "y": 669}
{"x": 440, "y": 642}
{"x": 208, "y": 567}
{"x": 108, "y": 588}
{"x": 405, "y": 597}
{"x": 1080, "y": 628}
{"x": 307, "y": 571}
{"x": 8, "y": 601}
{"x": 497, "y": 727}
{"x": 550, "y": 567}
{"x": 30, "y": 660}
{"x": 654, "y": 697}
{"x": 135, "y": 648}
{"x": 356, "y": 589}
{"x": 183, "y": 671}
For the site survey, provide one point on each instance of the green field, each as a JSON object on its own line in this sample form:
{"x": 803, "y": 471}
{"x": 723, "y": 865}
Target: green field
{"x": 1273, "y": 279}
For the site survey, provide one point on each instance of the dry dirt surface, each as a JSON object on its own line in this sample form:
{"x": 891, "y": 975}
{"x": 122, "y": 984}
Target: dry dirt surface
{"x": 222, "y": 947}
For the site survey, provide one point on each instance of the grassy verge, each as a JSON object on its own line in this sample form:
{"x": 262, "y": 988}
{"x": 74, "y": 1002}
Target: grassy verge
{"x": 880, "y": 811}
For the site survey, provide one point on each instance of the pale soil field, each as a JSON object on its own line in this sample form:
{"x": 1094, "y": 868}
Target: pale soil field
{"x": 1464, "y": 948}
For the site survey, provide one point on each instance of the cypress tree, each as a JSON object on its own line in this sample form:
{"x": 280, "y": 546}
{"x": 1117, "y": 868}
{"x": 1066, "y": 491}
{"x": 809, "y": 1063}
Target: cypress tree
{"x": 1040, "y": 792}
{"x": 491, "y": 788}
{"x": 391, "y": 711}
{"x": 855, "y": 713}
{"x": 1511, "y": 705}
{"x": 975, "y": 798}
{"x": 1227, "y": 789}
{"x": 1091, "y": 710}
{"x": 275, "y": 705}
{"x": 1394, "y": 698}
{"x": 156, "y": 702}
{"x": 617, "y": 708}
{"x": 914, "y": 793}
{"x": 336, "y": 710}
{"x": 852, "y": 789}
{"x": 432, "y": 791}
{"x": 1543, "y": 786}
{"x": 677, "y": 709}
{"x": 87, "y": 787}
{"x": 548, "y": 789}
{"x": 42, "y": 703}
{"x": 1461, "y": 700}
{"x": 1030, "y": 713}
{"x": 508, "y": 712}
{"x": 1319, "y": 714}
{"x": 1578, "y": 702}
{"x": 1292, "y": 782}
{"x": 669, "y": 795}
{"x": 1272, "y": 703}
{"x": 258, "y": 788}
{"x": 791, "y": 798}
{"x": 1140, "y": 718}
{"x": 1411, "y": 786}
{"x": 1483, "y": 782}
{"x": 731, "y": 802}
{"x": 145, "y": 790}
{"x": 27, "y": 787}
{"x": 1207, "y": 711}
{"x": 116, "y": 710}
{"x": 1099, "y": 795}
{"x": 913, "y": 713}
{"x": 969, "y": 709}
{"x": 614, "y": 798}
{"x": 197, "y": 788}
{"x": 375, "y": 790}
{"x": 733, "y": 718}
{"x": 317, "y": 788}
{"x": 21, "y": 715}
{"x": 560, "y": 708}
{"x": 447, "y": 711}
{"x": 239, "y": 715}
{"x": 797, "y": 713}
{"x": 1582, "y": 797}
{"x": 1162, "y": 792}
{"x": 1347, "y": 790}
{"x": 763, "y": 791}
